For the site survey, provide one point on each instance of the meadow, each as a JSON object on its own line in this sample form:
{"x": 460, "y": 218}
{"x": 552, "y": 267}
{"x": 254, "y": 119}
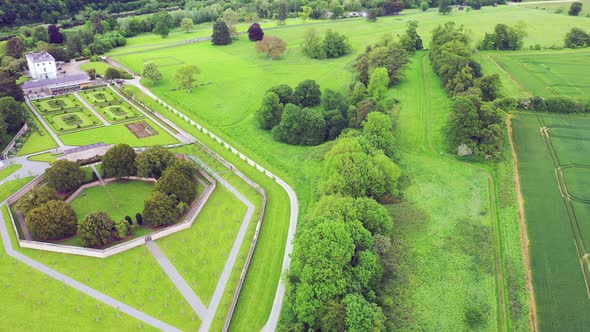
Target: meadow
{"x": 541, "y": 73}
{"x": 560, "y": 8}
{"x": 557, "y": 220}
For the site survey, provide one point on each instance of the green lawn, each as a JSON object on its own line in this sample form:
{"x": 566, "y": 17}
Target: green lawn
{"x": 54, "y": 104}
{"x": 118, "y": 112}
{"x": 72, "y": 121}
{"x": 39, "y": 140}
{"x": 46, "y": 157}
{"x": 99, "y": 66}
{"x": 9, "y": 170}
{"x": 558, "y": 228}
{"x": 100, "y": 96}
{"x": 118, "y": 133}
{"x": 118, "y": 199}
{"x": 207, "y": 243}
{"x": 559, "y": 7}
{"x": 31, "y": 301}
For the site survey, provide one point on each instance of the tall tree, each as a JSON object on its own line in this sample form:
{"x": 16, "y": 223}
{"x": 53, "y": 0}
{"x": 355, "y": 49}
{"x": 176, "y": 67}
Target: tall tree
{"x": 378, "y": 83}
{"x": 15, "y": 47}
{"x": 14, "y": 114}
{"x": 187, "y": 24}
{"x": 255, "y": 32}
{"x": 177, "y": 184}
{"x": 159, "y": 210}
{"x": 55, "y": 37}
{"x": 35, "y": 198}
{"x": 308, "y": 94}
{"x": 151, "y": 72}
{"x": 221, "y": 34}
{"x": 64, "y": 175}
{"x": 575, "y": 8}
{"x": 153, "y": 162}
{"x": 185, "y": 76}
{"x": 52, "y": 220}
{"x": 269, "y": 113}
{"x": 163, "y": 21}
{"x": 119, "y": 161}
{"x": 282, "y": 12}
{"x": 272, "y": 46}
{"x": 96, "y": 230}
{"x": 444, "y": 7}
{"x": 305, "y": 13}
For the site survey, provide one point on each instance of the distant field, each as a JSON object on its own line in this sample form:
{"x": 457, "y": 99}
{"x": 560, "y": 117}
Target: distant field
{"x": 554, "y": 172}
{"x": 546, "y": 73}
{"x": 100, "y": 67}
{"x": 561, "y": 7}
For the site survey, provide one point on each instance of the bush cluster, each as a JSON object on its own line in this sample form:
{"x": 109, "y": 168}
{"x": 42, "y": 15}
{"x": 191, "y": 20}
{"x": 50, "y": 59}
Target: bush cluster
{"x": 333, "y": 45}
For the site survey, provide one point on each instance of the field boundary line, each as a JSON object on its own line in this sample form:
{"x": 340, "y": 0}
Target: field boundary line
{"x": 524, "y": 235}
{"x": 520, "y": 86}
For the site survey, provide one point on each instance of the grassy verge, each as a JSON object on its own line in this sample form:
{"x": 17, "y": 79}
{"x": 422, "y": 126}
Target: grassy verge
{"x": 39, "y": 140}
{"x": 9, "y": 170}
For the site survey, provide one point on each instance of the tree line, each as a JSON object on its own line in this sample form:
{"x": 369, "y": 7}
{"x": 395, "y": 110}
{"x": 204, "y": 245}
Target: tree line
{"x": 476, "y": 124}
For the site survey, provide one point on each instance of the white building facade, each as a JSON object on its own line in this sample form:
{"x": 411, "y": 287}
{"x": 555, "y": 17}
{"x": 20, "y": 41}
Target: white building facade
{"x": 41, "y": 66}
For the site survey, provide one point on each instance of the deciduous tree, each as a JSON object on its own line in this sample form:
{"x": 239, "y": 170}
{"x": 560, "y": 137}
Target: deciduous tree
{"x": 378, "y": 130}
{"x": 272, "y": 46}
{"x": 187, "y": 24}
{"x": 159, "y": 210}
{"x": 96, "y": 230}
{"x": 64, "y": 175}
{"x": 152, "y": 72}
{"x": 379, "y": 83}
{"x": 14, "y": 114}
{"x": 35, "y": 198}
{"x": 300, "y": 126}
{"x": 52, "y": 220}
{"x": 15, "y": 47}
{"x": 119, "y": 161}
{"x": 112, "y": 74}
{"x": 269, "y": 113}
{"x": 444, "y": 7}
{"x": 284, "y": 92}
{"x": 221, "y": 34}
{"x": 153, "y": 162}
{"x": 575, "y": 8}
{"x": 255, "y": 32}
{"x": 305, "y": 13}
{"x": 177, "y": 184}
{"x": 307, "y": 94}
{"x": 55, "y": 37}
{"x": 185, "y": 76}
{"x": 577, "y": 38}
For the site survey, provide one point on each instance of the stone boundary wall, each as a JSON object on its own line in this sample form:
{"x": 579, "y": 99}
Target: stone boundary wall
{"x": 12, "y": 143}
{"x": 196, "y": 208}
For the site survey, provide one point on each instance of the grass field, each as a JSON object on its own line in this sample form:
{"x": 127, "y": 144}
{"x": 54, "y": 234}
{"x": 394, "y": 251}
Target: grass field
{"x": 210, "y": 239}
{"x": 71, "y": 121}
{"x": 118, "y": 133}
{"x": 46, "y": 157}
{"x": 449, "y": 225}
{"x": 546, "y": 73}
{"x": 99, "y": 66}
{"x": 9, "y": 170}
{"x": 118, "y": 199}
{"x": 557, "y": 215}
{"x": 559, "y": 7}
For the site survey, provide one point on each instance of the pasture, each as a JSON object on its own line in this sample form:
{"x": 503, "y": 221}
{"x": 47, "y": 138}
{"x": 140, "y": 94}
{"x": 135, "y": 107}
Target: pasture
{"x": 554, "y": 156}
{"x": 537, "y": 73}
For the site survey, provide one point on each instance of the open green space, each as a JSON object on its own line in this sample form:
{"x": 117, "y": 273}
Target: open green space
{"x": 99, "y": 66}
{"x": 118, "y": 133}
{"x": 545, "y": 73}
{"x": 46, "y": 157}
{"x": 118, "y": 199}
{"x": 100, "y": 96}
{"x": 211, "y": 239}
{"x": 71, "y": 121}
{"x": 54, "y": 104}
{"x": 7, "y": 171}
{"x": 118, "y": 112}
{"x": 559, "y": 7}
{"x": 556, "y": 226}
{"x": 39, "y": 140}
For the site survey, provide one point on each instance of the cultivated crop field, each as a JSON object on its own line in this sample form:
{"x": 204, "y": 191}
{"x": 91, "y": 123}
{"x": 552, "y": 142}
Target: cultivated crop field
{"x": 554, "y": 162}
{"x": 539, "y": 73}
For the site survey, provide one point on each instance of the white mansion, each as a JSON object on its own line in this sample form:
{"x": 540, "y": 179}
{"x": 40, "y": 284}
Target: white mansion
{"x": 41, "y": 66}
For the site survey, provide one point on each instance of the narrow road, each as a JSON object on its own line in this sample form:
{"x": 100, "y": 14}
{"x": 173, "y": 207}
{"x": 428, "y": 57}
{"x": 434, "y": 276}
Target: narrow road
{"x": 45, "y": 124}
{"x": 183, "y": 287}
{"x": 156, "y": 323}
{"x": 91, "y": 109}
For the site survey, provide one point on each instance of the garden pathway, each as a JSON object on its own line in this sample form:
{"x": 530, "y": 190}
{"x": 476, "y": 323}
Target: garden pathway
{"x": 273, "y": 319}
{"x": 30, "y": 168}
{"x": 181, "y": 284}
{"x": 45, "y": 124}
{"x": 156, "y": 323}
{"x": 91, "y": 109}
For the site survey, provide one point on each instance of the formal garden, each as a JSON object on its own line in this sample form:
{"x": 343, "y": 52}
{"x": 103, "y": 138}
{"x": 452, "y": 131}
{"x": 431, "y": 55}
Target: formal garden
{"x": 100, "y": 96}
{"x": 72, "y": 120}
{"x": 55, "y": 104}
{"x": 113, "y": 112}
{"x": 139, "y": 194}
